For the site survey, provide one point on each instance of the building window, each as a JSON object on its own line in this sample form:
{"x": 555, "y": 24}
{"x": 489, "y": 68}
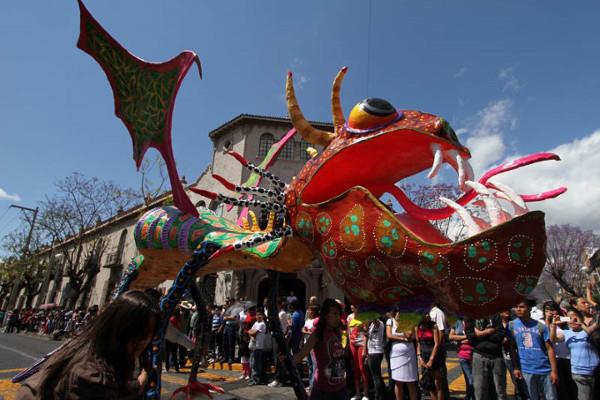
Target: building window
{"x": 302, "y": 154}
{"x": 287, "y": 153}
{"x": 266, "y": 141}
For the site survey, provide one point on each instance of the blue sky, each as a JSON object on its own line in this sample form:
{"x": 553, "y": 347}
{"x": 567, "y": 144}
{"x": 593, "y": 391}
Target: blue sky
{"x": 511, "y": 77}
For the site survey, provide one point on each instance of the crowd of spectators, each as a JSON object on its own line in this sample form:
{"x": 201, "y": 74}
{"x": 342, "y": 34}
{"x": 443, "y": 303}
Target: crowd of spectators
{"x": 549, "y": 353}
{"x": 57, "y": 322}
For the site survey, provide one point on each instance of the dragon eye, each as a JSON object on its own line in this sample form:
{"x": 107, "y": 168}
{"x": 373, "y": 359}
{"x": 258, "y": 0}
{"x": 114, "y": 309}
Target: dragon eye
{"x": 378, "y": 107}
{"x": 372, "y": 114}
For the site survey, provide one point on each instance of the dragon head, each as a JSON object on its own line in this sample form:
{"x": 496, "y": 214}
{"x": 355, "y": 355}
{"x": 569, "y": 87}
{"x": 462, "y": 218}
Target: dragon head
{"x": 335, "y": 206}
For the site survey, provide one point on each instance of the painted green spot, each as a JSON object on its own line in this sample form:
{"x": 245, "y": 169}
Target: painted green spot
{"x": 528, "y": 251}
{"x": 440, "y": 267}
{"x": 480, "y": 288}
{"x": 386, "y": 241}
{"x": 347, "y": 230}
{"x": 301, "y": 223}
{"x": 428, "y": 271}
{"x": 482, "y": 260}
{"x": 472, "y": 252}
{"x": 483, "y": 299}
{"x": 331, "y": 252}
{"x": 387, "y": 223}
{"x": 395, "y": 234}
{"x": 428, "y": 256}
{"x": 355, "y": 230}
{"x": 515, "y": 256}
{"x": 468, "y": 299}
{"x": 486, "y": 245}
{"x": 517, "y": 244}
{"x": 353, "y": 218}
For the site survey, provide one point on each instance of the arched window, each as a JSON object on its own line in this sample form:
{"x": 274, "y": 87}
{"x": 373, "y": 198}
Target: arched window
{"x": 302, "y": 154}
{"x": 287, "y": 153}
{"x": 265, "y": 143}
{"x": 121, "y": 247}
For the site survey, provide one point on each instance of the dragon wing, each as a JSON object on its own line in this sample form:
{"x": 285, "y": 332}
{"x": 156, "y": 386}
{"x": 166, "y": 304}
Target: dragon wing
{"x": 144, "y": 95}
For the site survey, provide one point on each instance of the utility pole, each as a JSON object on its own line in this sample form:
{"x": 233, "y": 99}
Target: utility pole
{"x": 15, "y": 290}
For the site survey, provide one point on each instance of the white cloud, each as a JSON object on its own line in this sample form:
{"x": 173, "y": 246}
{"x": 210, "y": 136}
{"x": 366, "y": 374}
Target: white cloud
{"x": 511, "y": 83}
{"x": 485, "y": 133}
{"x": 460, "y": 73}
{"x": 300, "y": 79}
{"x": 578, "y": 170}
{"x": 11, "y": 197}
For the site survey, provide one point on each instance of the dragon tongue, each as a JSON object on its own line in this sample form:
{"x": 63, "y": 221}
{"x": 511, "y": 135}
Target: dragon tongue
{"x": 461, "y": 166}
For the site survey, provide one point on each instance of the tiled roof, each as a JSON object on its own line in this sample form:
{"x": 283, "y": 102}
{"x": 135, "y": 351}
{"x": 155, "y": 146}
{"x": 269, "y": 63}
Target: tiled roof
{"x": 261, "y": 118}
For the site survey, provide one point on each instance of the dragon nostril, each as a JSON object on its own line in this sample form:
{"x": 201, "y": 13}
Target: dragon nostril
{"x": 379, "y": 107}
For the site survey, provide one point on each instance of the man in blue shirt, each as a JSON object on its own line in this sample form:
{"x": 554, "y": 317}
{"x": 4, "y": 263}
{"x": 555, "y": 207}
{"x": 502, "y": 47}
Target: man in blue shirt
{"x": 536, "y": 362}
{"x": 296, "y": 326}
{"x": 584, "y": 359}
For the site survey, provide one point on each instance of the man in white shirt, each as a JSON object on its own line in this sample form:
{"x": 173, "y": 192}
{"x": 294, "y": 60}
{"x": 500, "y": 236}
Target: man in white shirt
{"x": 439, "y": 317}
{"x": 258, "y": 332}
{"x": 284, "y": 320}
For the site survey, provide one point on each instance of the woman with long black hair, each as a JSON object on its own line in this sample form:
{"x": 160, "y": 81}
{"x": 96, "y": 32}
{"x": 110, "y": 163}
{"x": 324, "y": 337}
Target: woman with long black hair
{"x": 100, "y": 363}
{"x": 326, "y": 341}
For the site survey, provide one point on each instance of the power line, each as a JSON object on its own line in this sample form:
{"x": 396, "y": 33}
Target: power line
{"x": 5, "y": 212}
{"x": 7, "y": 225}
{"x": 368, "y": 48}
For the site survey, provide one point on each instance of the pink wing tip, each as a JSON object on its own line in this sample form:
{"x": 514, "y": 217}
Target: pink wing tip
{"x": 344, "y": 69}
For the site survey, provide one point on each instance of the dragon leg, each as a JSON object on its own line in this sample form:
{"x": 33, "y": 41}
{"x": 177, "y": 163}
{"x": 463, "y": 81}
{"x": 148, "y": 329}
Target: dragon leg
{"x": 200, "y": 258}
{"x": 201, "y": 307}
{"x": 263, "y": 237}
{"x": 283, "y": 348}
{"x": 263, "y": 205}
{"x": 278, "y": 184}
{"x": 255, "y": 190}
{"x": 129, "y": 275}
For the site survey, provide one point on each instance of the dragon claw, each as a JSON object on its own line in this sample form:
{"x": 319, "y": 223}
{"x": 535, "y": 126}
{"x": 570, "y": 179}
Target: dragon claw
{"x": 197, "y": 388}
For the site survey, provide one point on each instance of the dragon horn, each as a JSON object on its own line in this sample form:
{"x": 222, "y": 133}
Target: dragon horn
{"x": 308, "y": 132}
{"x": 336, "y": 105}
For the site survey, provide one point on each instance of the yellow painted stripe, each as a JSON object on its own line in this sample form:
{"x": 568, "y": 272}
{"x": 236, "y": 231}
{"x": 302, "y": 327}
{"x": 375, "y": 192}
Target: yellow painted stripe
{"x": 458, "y": 385}
{"x": 2, "y": 371}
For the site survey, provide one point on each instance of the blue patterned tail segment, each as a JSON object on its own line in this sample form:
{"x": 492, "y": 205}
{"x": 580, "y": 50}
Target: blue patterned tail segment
{"x": 167, "y": 305}
{"x": 129, "y": 275}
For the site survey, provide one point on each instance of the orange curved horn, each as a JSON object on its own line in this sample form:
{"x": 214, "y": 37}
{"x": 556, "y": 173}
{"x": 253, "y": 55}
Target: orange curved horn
{"x": 336, "y": 105}
{"x": 308, "y": 132}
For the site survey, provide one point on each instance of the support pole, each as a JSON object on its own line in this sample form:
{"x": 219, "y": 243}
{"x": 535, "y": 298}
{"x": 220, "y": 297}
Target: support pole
{"x": 282, "y": 346}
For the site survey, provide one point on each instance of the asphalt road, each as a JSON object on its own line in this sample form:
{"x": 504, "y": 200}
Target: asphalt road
{"x": 19, "y": 351}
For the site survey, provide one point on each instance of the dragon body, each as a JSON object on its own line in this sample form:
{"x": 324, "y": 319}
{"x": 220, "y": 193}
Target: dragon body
{"x": 332, "y": 209}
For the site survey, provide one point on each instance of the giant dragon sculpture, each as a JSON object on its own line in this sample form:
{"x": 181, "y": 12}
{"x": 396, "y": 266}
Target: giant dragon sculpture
{"x": 331, "y": 209}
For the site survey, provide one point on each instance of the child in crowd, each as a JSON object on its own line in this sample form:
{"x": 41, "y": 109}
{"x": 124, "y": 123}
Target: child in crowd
{"x": 330, "y": 375}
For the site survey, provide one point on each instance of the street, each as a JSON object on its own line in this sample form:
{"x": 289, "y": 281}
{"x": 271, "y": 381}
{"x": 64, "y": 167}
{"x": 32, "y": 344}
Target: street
{"x": 19, "y": 351}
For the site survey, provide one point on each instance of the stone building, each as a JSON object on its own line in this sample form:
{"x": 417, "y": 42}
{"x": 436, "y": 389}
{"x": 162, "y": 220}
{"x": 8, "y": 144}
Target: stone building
{"x": 252, "y": 136}
{"x": 249, "y": 135}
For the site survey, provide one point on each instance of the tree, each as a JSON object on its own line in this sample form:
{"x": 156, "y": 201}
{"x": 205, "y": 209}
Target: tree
{"x": 28, "y": 268}
{"x": 428, "y": 196}
{"x": 7, "y": 278}
{"x": 152, "y": 166}
{"x": 565, "y": 248}
{"x": 69, "y": 217}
